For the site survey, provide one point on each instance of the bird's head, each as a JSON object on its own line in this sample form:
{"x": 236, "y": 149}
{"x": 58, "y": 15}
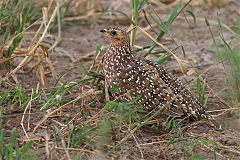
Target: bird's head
{"x": 118, "y": 37}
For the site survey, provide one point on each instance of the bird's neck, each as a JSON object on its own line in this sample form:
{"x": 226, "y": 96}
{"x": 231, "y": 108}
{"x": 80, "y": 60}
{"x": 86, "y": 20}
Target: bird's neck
{"x": 120, "y": 43}
{"x": 122, "y": 51}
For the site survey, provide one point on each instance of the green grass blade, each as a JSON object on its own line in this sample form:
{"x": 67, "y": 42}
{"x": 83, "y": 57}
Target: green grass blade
{"x": 170, "y": 20}
{"x": 192, "y": 15}
{"x": 26, "y": 148}
{"x": 163, "y": 59}
{"x": 1, "y": 144}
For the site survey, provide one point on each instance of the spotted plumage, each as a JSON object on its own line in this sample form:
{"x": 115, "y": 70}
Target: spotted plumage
{"x": 144, "y": 81}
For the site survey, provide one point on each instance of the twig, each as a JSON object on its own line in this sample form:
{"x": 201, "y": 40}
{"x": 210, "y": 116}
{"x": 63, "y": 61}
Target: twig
{"x": 24, "y": 113}
{"x": 76, "y": 149}
{"x": 138, "y": 146}
{"x": 47, "y": 145}
{"x": 59, "y": 132}
{"x": 54, "y": 74}
{"x": 224, "y": 110}
{"x": 59, "y": 30}
{"x": 151, "y": 143}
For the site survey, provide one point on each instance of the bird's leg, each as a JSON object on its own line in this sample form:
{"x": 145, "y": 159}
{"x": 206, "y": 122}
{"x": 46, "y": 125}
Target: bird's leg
{"x": 106, "y": 91}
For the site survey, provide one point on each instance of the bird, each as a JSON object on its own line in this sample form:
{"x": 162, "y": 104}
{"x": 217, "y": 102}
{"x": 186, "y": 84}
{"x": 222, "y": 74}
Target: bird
{"x": 145, "y": 82}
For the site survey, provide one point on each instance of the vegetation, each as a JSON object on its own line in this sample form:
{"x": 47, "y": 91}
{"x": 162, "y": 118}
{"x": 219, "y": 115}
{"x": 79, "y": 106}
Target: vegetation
{"x": 68, "y": 115}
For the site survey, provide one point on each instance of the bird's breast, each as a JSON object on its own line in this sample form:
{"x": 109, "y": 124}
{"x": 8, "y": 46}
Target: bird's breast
{"x": 116, "y": 60}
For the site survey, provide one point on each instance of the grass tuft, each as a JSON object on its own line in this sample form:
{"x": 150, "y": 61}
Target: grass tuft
{"x": 230, "y": 56}
{"x": 11, "y": 149}
{"x": 14, "y": 17}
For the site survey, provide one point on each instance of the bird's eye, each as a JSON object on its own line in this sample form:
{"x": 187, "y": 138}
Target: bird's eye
{"x": 113, "y": 33}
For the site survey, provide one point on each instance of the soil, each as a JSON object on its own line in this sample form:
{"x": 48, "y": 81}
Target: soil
{"x": 80, "y": 40}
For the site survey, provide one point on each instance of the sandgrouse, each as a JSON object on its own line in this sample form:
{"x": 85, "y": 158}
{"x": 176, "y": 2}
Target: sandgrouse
{"x": 149, "y": 82}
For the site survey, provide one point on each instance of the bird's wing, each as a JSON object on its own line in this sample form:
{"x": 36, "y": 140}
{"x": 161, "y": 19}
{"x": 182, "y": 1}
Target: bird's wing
{"x": 142, "y": 81}
{"x": 186, "y": 101}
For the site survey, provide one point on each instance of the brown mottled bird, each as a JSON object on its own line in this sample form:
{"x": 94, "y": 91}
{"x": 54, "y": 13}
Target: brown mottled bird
{"x": 149, "y": 82}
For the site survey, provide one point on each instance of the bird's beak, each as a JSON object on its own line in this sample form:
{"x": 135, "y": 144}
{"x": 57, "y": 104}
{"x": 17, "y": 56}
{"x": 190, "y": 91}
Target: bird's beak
{"x": 103, "y": 30}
